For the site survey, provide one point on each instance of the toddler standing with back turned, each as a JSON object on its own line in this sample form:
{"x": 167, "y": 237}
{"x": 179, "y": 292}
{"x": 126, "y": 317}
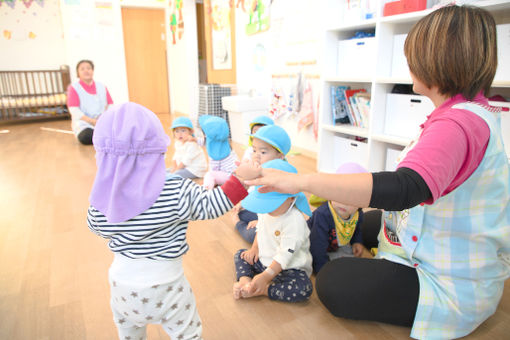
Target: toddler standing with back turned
{"x": 145, "y": 217}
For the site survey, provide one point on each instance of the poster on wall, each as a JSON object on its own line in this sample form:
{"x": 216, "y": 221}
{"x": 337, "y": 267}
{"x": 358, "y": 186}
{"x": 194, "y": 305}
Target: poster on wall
{"x": 258, "y": 16}
{"x": 221, "y": 35}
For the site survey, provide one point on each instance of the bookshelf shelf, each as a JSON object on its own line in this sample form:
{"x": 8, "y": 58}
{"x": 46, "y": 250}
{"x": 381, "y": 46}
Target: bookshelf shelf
{"x": 376, "y": 75}
{"x": 346, "y": 129}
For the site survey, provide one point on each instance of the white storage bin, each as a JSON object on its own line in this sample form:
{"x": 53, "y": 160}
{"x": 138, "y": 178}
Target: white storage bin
{"x": 399, "y": 68}
{"x": 405, "y": 113}
{"x": 349, "y": 150}
{"x": 503, "y": 71}
{"x": 356, "y": 57}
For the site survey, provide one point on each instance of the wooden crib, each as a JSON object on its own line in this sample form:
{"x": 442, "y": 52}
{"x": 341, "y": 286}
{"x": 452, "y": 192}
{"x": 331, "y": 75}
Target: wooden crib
{"x": 32, "y": 95}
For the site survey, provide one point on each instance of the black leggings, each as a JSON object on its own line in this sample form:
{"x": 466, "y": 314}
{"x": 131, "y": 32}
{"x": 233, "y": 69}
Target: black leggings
{"x": 367, "y": 289}
{"x": 85, "y": 136}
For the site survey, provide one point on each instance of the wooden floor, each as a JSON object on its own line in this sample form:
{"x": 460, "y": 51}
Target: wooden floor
{"x": 53, "y": 270}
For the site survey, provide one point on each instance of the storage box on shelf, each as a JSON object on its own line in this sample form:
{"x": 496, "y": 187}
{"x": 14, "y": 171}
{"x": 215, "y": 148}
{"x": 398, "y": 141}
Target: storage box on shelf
{"x": 391, "y": 125}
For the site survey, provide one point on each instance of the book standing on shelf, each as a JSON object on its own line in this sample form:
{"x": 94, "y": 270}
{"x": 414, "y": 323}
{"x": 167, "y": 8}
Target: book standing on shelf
{"x": 339, "y": 108}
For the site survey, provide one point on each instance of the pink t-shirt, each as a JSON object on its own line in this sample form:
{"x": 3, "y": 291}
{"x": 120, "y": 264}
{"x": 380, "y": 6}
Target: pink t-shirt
{"x": 450, "y": 148}
{"x": 74, "y": 100}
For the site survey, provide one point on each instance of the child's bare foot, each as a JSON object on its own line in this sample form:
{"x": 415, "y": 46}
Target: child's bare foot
{"x": 237, "y": 290}
{"x": 245, "y": 291}
{"x": 244, "y": 281}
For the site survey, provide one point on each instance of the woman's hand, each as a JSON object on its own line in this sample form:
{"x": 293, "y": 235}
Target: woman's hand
{"x": 251, "y": 256}
{"x": 277, "y": 180}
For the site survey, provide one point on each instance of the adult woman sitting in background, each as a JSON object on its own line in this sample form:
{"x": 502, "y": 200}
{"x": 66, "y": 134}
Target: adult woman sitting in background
{"x": 86, "y": 100}
{"x": 444, "y": 250}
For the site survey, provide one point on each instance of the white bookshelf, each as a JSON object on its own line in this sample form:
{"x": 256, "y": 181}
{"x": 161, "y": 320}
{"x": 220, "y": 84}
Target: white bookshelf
{"x": 370, "y": 146}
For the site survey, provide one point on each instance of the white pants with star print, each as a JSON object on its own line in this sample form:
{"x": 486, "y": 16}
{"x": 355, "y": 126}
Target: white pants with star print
{"x": 152, "y": 292}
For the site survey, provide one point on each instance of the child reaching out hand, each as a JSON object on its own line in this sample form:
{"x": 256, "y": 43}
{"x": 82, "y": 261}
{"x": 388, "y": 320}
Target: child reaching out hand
{"x": 279, "y": 263}
{"x": 222, "y": 158}
{"x": 145, "y": 215}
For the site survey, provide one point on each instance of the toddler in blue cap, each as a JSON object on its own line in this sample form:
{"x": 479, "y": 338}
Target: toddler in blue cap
{"x": 222, "y": 158}
{"x": 279, "y": 263}
{"x": 255, "y": 125}
{"x": 189, "y": 158}
{"x": 268, "y": 143}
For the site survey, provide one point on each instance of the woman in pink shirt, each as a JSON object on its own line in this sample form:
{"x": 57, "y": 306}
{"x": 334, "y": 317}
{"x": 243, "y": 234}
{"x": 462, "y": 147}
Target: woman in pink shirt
{"x": 444, "y": 241}
{"x": 86, "y": 100}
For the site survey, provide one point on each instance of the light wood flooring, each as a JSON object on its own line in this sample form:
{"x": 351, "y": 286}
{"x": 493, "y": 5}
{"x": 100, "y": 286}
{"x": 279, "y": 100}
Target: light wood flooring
{"x": 53, "y": 270}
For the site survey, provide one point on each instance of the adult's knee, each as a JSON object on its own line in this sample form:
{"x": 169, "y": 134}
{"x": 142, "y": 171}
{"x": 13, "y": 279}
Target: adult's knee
{"x": 336, "y": 287}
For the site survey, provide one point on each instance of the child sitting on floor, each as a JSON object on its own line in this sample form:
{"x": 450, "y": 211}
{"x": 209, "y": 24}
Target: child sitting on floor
{"x": 255, "y": 125}
{"x": 279, "y": 263}
{"x": 145, "y": 216}
{"x": 222, "y": 158}
{"x": 268, "y": 143}
{"x": 335, "y": 228}
{"x": 189, "y": 159}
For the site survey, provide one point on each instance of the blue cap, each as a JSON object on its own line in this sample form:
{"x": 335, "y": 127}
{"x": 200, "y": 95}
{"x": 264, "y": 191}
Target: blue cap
{"x": 275, "y": 136}
{"x": 261, "y": 120}
{"x": 182, "y": 122}
{"x": 216, "y": 136}
{"x": 264, "y": 203}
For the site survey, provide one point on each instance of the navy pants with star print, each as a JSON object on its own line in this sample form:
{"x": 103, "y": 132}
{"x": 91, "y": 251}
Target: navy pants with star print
{"x": 290, "y": 285}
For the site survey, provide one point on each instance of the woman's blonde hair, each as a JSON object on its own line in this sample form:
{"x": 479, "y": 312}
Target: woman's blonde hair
{"x": 455, "y": 49}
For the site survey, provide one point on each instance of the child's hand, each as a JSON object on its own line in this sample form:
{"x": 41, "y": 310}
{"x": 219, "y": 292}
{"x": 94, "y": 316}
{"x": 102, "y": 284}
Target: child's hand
{"x": 252, "y": 224}
{"x": 237, "y": 208}
{"x": 251, "y": 256}
{"x": 248, "y": 170}
{"x": 190, "y": 139}
{"x": 258, "y": 285}
{"x": 359, "y": 250}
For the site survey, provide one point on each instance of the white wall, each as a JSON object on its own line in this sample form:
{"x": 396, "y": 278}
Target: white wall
{"x": 95, "y": 33}
{"x": 293, "y": 36}
{"x": 31, "y": 37}
{"x": 88, "y": 36}
{"x": 183, "y": 64}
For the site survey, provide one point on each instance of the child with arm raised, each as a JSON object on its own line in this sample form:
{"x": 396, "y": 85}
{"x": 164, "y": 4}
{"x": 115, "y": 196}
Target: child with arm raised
{"x": 144, "y": 214}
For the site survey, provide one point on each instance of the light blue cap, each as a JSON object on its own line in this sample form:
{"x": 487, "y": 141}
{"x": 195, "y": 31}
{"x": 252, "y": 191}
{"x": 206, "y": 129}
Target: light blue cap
{"x": 264, "y": 203}
{"x": 216, "y": 136}
{"x": 275, "y": 136}
{"x": 261, "y": 120}
{"x": 182, "y": 122}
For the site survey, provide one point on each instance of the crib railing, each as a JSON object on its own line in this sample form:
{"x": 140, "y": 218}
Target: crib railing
{"x": 34, "y": 94}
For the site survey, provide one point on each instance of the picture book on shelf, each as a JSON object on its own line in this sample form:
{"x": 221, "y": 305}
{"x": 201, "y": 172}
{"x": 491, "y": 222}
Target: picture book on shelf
{"x": 339, "y": 107}
{"x": 352, "y": 106}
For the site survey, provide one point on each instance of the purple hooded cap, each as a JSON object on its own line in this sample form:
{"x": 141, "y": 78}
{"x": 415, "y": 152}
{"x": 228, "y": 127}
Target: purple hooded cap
{"x": 130, "y": 148}
{"x": 350, "y": 168}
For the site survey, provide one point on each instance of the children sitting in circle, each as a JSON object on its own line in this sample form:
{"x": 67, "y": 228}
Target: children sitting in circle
{"x": 189, "y": 159}
{"x": 222, "y": 158}
{"x": 268, "y": 143}
{"x": 145, "y": 216}
{"x": 279, "y": 263}
{"x": 335, "y": 228}
{"x": 255, "y": 124}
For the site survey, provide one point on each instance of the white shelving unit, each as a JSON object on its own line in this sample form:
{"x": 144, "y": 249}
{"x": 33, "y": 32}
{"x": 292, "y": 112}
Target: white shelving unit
{"x": 372, "y": 146}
